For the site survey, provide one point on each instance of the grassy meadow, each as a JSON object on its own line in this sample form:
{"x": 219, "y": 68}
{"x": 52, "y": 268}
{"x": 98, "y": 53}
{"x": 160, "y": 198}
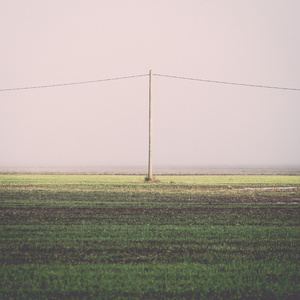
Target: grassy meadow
{"x": 118, "y": 237}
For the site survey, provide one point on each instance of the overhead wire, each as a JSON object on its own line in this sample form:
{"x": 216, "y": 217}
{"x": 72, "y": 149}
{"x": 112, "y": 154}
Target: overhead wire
{"x": 71, "y": 83}
{"x": 143, "y": 75}
{"x": 230, "y": 83}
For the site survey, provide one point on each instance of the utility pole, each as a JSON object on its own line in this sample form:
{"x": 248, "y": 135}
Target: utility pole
{"x": 150, "y": 127}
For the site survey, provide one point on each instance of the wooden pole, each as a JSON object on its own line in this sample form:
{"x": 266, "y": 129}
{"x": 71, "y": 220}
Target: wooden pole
{"x": 150, "y": 127}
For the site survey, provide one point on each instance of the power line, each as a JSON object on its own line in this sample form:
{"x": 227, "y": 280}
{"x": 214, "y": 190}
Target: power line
{"x": 142, "y": 75}
{"x": 231, "y": 83}
{"x": 71, "y": 83}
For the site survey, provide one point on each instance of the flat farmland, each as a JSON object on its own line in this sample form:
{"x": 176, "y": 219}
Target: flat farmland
{"x": 118, "y": 237}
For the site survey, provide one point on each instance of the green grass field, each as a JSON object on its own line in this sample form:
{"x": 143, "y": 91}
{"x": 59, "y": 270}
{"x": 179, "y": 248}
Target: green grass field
{"x": 116, "y": 237}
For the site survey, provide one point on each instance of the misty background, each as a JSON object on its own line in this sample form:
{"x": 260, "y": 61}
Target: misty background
{"x": 106, "y": 123}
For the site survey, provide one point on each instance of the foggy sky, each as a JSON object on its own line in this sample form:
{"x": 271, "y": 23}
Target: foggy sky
{"x": 106, "y": 123}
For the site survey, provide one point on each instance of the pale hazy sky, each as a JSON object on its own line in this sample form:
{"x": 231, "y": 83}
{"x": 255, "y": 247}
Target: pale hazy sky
{"x": 194, "y": 123}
